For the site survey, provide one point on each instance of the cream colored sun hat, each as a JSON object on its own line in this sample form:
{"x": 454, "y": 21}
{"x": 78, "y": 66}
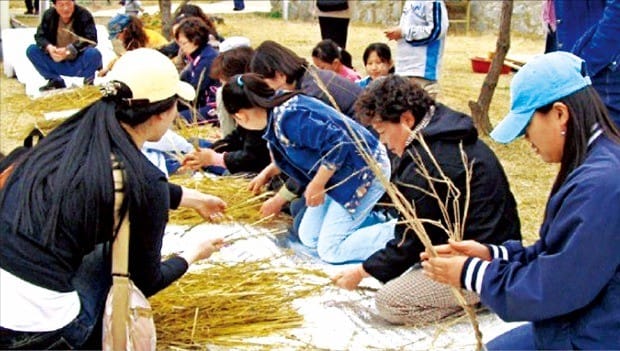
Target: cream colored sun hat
{"x": 151, "y": 76}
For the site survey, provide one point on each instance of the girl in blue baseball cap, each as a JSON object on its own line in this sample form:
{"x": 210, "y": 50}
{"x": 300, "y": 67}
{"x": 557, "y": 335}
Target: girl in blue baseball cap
{"x": 566, "y": 285}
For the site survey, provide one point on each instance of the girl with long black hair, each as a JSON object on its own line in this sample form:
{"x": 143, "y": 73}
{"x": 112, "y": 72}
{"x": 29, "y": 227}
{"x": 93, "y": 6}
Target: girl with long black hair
{"x": 56, "y": 217}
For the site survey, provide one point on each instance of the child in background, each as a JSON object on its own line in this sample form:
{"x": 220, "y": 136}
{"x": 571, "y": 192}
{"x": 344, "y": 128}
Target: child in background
{"x": 329, "y": 56}
{"x": 133, "y": 7}
{"x": 242, "y": 150}
{"x": 378, "y": 62}
{"x": 316, "y": 146}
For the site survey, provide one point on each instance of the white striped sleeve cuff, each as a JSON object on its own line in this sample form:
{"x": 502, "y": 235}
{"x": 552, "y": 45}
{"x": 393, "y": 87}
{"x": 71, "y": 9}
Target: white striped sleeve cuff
{"x": 498, "y": 251}
{"x": 473, "y": 273}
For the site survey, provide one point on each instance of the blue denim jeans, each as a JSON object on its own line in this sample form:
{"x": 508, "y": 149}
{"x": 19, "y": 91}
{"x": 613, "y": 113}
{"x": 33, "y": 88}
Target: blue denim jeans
{"x": 92, "y": 282}
{"x": 519, "y": 338}
{"x": 340, "y": 236}
{"x": 85, "y": 65}
{"x": 239, "y": 5}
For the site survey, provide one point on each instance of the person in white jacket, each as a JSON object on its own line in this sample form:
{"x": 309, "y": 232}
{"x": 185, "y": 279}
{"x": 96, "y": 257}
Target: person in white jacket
{"x": 420, "y": 37}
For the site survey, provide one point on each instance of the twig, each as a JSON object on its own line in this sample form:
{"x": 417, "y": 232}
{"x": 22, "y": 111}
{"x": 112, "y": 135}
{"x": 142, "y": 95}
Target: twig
{"x": 80, "y": 37}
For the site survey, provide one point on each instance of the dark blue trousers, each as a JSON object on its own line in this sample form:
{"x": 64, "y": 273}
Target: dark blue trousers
{"x": 85, "y": 65}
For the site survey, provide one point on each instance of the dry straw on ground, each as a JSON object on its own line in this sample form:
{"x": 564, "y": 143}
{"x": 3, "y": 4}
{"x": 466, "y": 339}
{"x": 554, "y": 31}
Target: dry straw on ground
{"x": 243, "y": 206}
{"x": 225, "y": 304}
{"x": 62, "y": 100}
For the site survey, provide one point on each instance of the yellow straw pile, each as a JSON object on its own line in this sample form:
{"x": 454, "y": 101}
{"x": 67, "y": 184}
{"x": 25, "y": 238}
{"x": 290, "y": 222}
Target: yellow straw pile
{"x": 76, "y": 98}
{"x": 226, "y": 304}
{"x": 243, "y": 206}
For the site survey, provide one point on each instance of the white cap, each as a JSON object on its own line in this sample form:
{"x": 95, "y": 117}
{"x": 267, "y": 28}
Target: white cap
{"x": 234, "y": 42}
{"x": 150, "y": 75}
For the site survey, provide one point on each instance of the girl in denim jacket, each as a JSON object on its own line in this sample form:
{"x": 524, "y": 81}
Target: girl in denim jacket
{"x": 316, "y": 145}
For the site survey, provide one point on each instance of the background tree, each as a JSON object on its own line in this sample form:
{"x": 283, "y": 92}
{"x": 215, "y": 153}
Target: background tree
{"x": 165, "y": 9}
{"x": 480, "y": 109}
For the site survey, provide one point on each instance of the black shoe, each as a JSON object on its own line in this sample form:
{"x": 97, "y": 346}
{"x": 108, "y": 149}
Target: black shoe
{"x": 29, "y": 12}
{"x": 52, "y": 85}
{"x": 238, "y": 8}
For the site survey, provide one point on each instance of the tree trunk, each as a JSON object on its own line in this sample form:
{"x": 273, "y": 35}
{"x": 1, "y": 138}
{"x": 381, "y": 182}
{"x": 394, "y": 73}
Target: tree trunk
{"x": 480, "y": 108}
{"x": 166, "y": 18}
{"x": 165, "y": 8}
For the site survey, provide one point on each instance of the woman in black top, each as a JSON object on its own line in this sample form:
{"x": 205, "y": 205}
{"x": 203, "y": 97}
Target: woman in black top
{"x": 56, "y": 211}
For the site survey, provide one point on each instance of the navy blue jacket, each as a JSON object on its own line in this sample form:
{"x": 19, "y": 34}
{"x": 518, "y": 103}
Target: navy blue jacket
{"x": 568, "y": 282}
{"x": 344, "y": 91}
{"x": 197, "y": 72}
{"x": 303, "y": 133}
{"x": 591, "y": 30}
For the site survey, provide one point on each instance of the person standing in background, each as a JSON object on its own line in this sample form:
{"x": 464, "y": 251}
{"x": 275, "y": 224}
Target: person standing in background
{"x": 334, "y": 17}
{"x": 133, "y": 7}
{"x": 30, "y": 9}
{"x": 239, "y": 5}
{"x": 420, "y": 38}
{"x": 590, "y": 30}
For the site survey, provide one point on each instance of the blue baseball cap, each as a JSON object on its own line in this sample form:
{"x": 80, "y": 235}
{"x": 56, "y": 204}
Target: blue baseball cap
{"x": 117, "y": 24}
{"x": 543, "y": 80}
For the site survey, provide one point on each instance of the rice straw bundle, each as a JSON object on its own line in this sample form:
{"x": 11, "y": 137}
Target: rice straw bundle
{"x": 243, "y": 205}
{"x": 198, "y": 131}
{"x": 67, "y": 99}
{"x": 224, "y": 304}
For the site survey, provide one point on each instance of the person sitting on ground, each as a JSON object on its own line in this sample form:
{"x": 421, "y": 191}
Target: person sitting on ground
{"x": 224, "y": 70}
{"x": 57, "y": 211}
{"x": 189, "y": 10}
{"x": 315, "y": 145}
{"x": 399, "y": 110}
{"x": 65, "y": 45}
{"x": 283, "y": 69}
{"x": 132, "y": 34}
{"x": 567, "y": 284}
{"x": 329, "y": 56}
{"x": 377, "y": 58}
{"x": 243, "y": 150}
{"x": 193, "y": 38}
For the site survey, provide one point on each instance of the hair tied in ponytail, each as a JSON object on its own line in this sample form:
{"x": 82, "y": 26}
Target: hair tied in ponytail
{"x": 121, "y": 94}
{"x": 110, "y": 90}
